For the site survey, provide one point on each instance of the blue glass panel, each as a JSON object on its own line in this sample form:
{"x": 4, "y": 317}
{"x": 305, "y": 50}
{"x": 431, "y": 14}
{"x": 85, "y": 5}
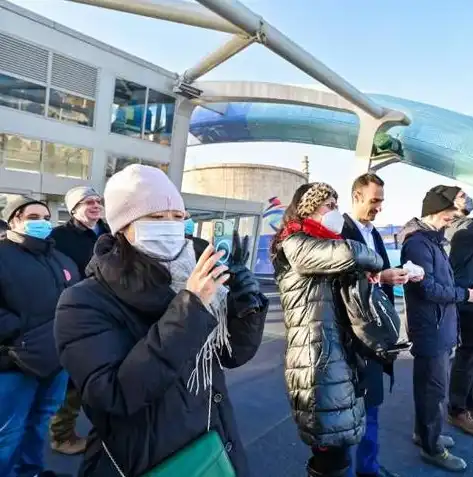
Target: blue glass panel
{"x": 438, "y": 139}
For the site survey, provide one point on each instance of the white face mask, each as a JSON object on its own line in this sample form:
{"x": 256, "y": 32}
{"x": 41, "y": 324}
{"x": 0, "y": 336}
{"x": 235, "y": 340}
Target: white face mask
{"x": 163, "y": 239}
{"x": 333, "y": 221}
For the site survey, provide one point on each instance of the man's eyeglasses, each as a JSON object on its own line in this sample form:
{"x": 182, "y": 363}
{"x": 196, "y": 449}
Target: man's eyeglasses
{"x": 93, "y": 202}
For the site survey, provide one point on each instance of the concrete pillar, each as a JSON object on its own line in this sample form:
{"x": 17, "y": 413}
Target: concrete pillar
{"x": 369, "y": 126}
{"x": 180, "y": 132}
{"x": 256, "y": 236}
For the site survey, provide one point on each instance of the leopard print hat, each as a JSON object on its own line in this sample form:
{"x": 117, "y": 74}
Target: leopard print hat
{"x": 314, "y": 198}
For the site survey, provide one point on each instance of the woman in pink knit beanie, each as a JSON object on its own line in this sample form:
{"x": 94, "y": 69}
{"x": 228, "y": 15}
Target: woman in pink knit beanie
{"x": 146, "y": 336}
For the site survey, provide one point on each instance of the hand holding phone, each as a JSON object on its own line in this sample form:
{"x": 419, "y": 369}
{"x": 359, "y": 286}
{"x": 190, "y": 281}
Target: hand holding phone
{"x": 207, "y": 276}
{"x": 222, "y": 239}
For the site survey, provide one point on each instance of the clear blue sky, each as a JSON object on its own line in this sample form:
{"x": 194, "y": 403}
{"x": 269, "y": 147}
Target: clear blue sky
{"x": 418, "y": 50}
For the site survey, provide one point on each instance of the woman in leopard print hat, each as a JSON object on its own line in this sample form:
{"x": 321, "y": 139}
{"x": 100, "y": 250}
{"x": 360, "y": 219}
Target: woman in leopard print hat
{"x": 320, "y": 368}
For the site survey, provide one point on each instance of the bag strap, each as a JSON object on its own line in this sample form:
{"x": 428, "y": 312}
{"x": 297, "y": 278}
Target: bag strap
{"x": 114, "y": 462}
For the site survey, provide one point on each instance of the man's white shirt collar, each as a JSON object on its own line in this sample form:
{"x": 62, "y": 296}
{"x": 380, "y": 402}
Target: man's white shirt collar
{"x": 366, "y": 231}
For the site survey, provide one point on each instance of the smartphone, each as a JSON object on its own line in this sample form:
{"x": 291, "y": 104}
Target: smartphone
{"x": 400, "y": 347}
{"x": 222, "y": 238}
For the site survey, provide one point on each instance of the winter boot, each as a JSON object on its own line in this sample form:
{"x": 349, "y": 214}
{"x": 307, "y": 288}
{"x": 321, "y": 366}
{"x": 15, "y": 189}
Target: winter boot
{"x": 328, "y": 462}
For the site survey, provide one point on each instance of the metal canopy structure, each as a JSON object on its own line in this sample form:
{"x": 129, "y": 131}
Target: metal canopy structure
{"x": 438, "y": 140}
{"x": 231, "y": 16}
{"x": 246, "y": 28}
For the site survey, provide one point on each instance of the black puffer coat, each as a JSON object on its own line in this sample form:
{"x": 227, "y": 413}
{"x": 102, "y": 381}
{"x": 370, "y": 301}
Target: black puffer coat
{"x": 131, "y": 355}
{"x": 32, "y": 277}
{"x": 320, "y": 367}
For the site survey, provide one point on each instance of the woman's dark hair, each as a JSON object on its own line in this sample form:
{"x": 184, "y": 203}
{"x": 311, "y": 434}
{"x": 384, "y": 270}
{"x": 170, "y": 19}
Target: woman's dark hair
{"x": 138, "y": 270}
{"x": 290, "y": 215}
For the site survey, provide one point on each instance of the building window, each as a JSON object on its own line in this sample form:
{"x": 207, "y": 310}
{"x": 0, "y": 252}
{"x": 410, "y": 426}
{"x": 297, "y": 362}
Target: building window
{"x": 117, "y": 163}
{"x": 128, "y": 108}
{"x": 63, "y": 216}
{"x": 20, "y": 154}
{"x": 66, "y": 161}
{"x": 142, "y": 112}
{"x": 161, "y": 165}
{"x": 32, "y": 155}
{"x": 70, "y": 108}
{"x": 23, "y": 95}
{"x": 159, "y": 117}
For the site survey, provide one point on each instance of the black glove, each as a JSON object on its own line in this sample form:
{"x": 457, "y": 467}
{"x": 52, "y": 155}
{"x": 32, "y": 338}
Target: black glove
{"x": 242, "y": 283}
{"x": 240, "y": 250}
{"x": 238, "y": 257}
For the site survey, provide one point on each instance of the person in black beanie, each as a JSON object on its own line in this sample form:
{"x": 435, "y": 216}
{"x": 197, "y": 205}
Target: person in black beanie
{"x": 432, "y": 322}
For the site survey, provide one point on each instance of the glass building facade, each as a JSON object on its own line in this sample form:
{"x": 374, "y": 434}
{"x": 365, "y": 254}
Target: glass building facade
{"x": 142, "y": 112}
{"x": 437, "y": 140}
{"x": 18, "y": 153}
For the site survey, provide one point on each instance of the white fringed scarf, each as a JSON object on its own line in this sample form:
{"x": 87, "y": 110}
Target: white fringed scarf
{"x": 218, "y": 340}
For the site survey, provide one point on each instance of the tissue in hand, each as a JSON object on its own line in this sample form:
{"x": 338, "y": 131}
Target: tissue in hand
{"x": 413, "y": 270}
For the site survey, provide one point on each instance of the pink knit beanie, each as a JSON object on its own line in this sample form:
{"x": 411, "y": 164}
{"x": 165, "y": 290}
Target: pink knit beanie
{"x": 137, "y": 191}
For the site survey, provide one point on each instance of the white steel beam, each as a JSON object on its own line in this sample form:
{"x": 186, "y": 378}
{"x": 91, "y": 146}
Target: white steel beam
{"x": 254, "y": 25}
{"x": 176, "y": 11}
{"x": 231, "y": 16}
{"x": 236, "y": 44}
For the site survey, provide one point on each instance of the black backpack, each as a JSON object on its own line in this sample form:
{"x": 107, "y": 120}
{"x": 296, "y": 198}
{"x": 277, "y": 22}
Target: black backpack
{"x": 372, "y": 318}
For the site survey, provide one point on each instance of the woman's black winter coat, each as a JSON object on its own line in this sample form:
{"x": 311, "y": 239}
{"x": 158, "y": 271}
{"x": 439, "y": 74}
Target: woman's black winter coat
{"x": 131, "y": 355}
{"x": 320, "y": 364}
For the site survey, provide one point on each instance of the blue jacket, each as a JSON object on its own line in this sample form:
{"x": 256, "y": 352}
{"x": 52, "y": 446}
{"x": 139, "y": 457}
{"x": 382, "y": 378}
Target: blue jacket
{"x": 430, "y": 304}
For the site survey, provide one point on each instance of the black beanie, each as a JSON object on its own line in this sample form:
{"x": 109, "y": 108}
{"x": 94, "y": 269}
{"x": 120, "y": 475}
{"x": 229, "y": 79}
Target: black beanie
{"x": 439, "y": 198}
{"x": 12, "y": 207}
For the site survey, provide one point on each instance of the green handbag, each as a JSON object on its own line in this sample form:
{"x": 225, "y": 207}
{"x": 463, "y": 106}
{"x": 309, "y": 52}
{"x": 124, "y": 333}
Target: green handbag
{"x": 205, "y": 457}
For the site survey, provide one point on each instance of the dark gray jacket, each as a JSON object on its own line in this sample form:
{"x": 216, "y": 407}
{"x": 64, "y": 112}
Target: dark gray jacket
{"x": 320, "y": 366}
{"x": 460, "y": 248}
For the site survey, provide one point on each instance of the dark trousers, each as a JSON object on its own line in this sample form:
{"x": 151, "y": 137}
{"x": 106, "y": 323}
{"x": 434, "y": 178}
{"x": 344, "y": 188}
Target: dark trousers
{"x": 430, "y": 394}
{"x": 63, "y": 424}
{"x": 461, "y": 381}
{"x": 328, "y": 462}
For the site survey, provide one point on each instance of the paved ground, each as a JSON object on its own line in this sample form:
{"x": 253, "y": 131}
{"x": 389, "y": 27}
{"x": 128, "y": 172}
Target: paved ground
{"x": 273, "y": 447}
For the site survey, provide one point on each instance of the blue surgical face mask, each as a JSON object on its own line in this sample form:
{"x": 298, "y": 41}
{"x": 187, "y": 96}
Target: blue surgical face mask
{"x": 189, "y": 227}
{"x": 40, "y": 229}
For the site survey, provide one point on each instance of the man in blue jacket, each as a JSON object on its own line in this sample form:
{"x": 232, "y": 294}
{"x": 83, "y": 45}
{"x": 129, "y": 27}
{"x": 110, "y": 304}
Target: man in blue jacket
{"x": 32, "y": 385}
{"x": 368, "y": 198}
{"x": 433, "y": 321}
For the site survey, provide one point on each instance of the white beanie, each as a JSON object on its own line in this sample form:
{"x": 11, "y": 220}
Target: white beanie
{"x": 77, "y": 195}
{"x": 137, "y": 191}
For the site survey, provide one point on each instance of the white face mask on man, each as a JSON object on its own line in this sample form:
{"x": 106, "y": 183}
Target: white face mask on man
{"x": 163, "y": 239}
{"x": 333, "y": 221}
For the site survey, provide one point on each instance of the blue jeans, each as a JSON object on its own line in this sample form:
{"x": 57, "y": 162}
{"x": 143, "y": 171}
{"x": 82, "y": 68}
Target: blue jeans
{"x": 26, "y": 406}
{"x": 367, "y": 451}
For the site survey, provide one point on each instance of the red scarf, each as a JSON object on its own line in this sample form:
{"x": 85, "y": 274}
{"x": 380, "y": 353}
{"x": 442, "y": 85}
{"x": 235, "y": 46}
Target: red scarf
{"x": 309, "y": 227}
